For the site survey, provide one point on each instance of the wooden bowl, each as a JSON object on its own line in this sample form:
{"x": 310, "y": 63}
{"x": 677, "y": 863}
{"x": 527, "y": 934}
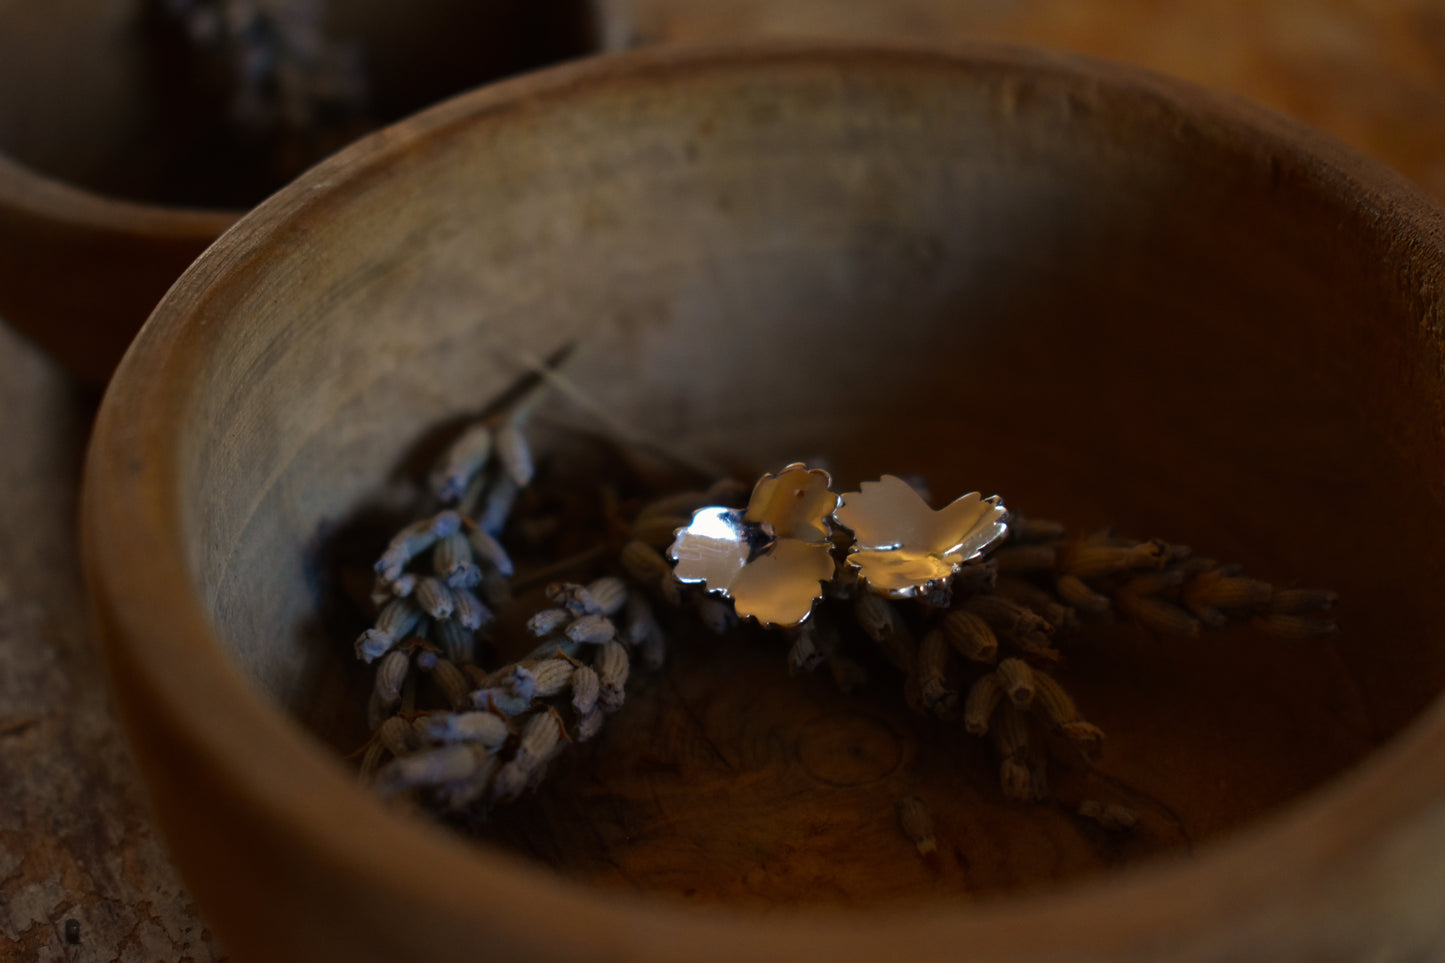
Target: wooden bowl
{"x": 1108, "y": 296}
{"x": 116, "y": 169}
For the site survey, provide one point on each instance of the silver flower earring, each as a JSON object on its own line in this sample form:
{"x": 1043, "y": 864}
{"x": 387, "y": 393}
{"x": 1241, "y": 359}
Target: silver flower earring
{"x": 774, "y": 559}
{"x": 903, "y": 549}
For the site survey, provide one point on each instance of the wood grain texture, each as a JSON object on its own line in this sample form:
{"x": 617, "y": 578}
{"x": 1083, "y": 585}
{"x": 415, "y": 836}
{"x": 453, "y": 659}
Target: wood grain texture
{"x": 83, "y": 874}
{"x": 1108, "y": 296}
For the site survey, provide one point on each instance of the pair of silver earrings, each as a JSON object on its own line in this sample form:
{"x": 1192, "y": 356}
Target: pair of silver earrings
{"x": 775, "y": 557}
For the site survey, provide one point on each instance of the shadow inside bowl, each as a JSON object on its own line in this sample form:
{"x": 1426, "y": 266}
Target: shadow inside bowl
{"x": 1108, "y": 309}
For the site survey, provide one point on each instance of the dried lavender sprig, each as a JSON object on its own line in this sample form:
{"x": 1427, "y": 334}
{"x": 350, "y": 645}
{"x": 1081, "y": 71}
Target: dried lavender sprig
{"x": 1053, "y": 586}
{"x": 917, "y": 824}
{"x": 412, "y": 541}
{"x": 463, "y": 461}
{"x": 1110, "y": 816}
{"x": 533, "y": 691}
{"x": 439, "y": 603}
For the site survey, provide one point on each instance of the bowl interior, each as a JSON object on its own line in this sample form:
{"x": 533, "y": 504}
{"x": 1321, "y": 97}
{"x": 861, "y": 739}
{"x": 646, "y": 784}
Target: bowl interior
{"x": 1098, "y": 298}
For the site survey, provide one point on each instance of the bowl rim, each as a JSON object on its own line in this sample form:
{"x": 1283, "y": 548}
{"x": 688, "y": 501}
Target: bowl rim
{"x": 132, "y": 251}
{"x": 178, "y": 690}
{"x": 27, "y": 191}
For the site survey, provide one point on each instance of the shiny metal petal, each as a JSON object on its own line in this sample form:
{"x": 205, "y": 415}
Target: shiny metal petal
{"x": 983, "y": 523}
{"x": 886, "y": 514}
{"x": 902, "y": 545}
{"x": 712, "y": 549}
{"x": 796, "y": 502}
{"x": 781, "y": 586}
{"x": 901, "y": 574}
{"x": 889, "y": 514}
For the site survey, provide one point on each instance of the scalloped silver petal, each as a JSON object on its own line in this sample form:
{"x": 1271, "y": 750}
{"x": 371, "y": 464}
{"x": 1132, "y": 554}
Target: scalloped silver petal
{"x": 903, "y": 548}
{"x": 797, "y": 502}
{"x": 779, "y": 585}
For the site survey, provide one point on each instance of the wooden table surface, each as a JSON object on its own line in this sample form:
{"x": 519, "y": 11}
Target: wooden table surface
{"x": 83, "y": 873}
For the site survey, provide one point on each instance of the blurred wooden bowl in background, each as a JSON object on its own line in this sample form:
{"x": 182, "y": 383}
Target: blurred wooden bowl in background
{"x": 120, "y": 160}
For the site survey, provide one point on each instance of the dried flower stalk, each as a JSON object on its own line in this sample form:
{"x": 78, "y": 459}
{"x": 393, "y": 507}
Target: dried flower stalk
{"x": 983, "y": 645}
